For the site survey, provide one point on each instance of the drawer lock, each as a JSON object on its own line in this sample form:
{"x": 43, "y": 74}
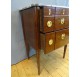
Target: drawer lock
{"x": 49, "y": 23}
{"x": 50, "y": 41}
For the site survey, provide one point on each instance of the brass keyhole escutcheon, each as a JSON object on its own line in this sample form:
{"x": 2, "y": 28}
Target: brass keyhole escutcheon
{"x": 49, "y": 23}
{"x": 63, "y": 11}
{"x": 49, "y": 11}
{"x": 62, "y": 20}
{"x": 63, "y": 36}
{"x": 50, "y": 41}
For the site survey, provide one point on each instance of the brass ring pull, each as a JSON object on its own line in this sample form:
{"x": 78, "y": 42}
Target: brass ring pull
{"x": 49, "y": 11}
{"x": 50, "y": 41}
{"x": 63, "y": 36}
{"x": 49, "y": 23}
{"x": 62, "y": 20}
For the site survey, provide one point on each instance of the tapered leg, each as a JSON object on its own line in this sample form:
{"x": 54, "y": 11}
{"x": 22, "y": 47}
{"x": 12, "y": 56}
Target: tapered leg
{"x": 65, "y": 47}
{"x": 28, "y": 50}
{"x": 38, "y": 61}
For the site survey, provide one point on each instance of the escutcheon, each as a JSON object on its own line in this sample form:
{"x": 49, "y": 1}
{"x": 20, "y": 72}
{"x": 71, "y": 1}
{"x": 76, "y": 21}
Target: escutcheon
{"x": 62, "y": 20}
{"x": 49, "y": 11}
{"x": 63, "y": 36}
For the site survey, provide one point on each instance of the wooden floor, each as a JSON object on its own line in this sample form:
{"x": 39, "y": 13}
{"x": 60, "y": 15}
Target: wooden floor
{"x": 52, "y": 65}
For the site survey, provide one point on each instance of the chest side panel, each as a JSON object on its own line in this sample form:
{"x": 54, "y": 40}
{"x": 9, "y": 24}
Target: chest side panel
{"x": 30, "y": 26}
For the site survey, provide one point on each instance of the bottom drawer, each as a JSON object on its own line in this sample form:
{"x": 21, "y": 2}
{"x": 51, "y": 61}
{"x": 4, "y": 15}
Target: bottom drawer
{"x": 47, "y": 41}
{"x": 62, "y": 38}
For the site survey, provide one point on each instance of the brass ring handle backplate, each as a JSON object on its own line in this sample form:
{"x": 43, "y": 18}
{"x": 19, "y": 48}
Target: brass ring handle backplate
{"x": 49, "y": 23}
{"x": 63, "y": 36}
{"x": 62, "y": 20}
{"x": 50, "y": 41}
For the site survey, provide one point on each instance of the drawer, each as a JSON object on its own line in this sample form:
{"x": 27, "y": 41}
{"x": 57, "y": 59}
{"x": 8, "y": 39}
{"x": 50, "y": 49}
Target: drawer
{"x": 49, "y": 11}
{"x": 62, "y": 11}
{"x": 48, "y": 24}
{"x": 47, "y": 42}
{"x": 61, "y": 22}
{"x": 62, "y": 38}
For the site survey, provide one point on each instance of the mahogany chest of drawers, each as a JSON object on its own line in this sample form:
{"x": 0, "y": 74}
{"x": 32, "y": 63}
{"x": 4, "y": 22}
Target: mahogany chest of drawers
{"x": 45, "y": 27}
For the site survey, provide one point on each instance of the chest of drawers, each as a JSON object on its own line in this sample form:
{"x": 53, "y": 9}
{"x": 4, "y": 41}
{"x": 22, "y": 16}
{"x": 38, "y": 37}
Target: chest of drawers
{"x": 45, "y": 27}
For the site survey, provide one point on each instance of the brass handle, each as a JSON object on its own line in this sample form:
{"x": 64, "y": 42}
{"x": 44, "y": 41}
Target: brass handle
{"x": 62, "y": 20}
{"x": 49, "y": 11}
{"x": 49, "y": 23}
{"x": 50, "y": 41}
{"x": 63, "y": 36}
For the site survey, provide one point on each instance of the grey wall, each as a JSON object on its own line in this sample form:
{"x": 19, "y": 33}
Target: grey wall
{"x": 18, "y": 51}
{"x": 54, "y": 2}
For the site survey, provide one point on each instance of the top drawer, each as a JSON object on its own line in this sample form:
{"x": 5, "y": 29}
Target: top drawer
{"x": 62, "y": 11}
{"x": 49, "y": 11}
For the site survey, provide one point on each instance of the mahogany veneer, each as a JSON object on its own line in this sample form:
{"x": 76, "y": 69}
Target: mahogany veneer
{"x": 45, "y": 27}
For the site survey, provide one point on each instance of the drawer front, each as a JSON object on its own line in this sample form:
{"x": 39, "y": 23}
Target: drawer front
{"x": 50, "y": 42}
{"x": 61, "y": 22}
{"x": 48, "y": 24}
{"x": 47, "y": 42}
{"x": 49, "y": 11}
{"x": 62, "y": 11}
{"x": 62, "y": 38}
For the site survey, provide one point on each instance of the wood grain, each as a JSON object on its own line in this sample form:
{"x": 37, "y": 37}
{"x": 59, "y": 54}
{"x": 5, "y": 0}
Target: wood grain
{"x": 14, "y": 71}
{"x": 60, "y": 10}
{"x": 52, "y": 65}
{"x": 44, "y": 19}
